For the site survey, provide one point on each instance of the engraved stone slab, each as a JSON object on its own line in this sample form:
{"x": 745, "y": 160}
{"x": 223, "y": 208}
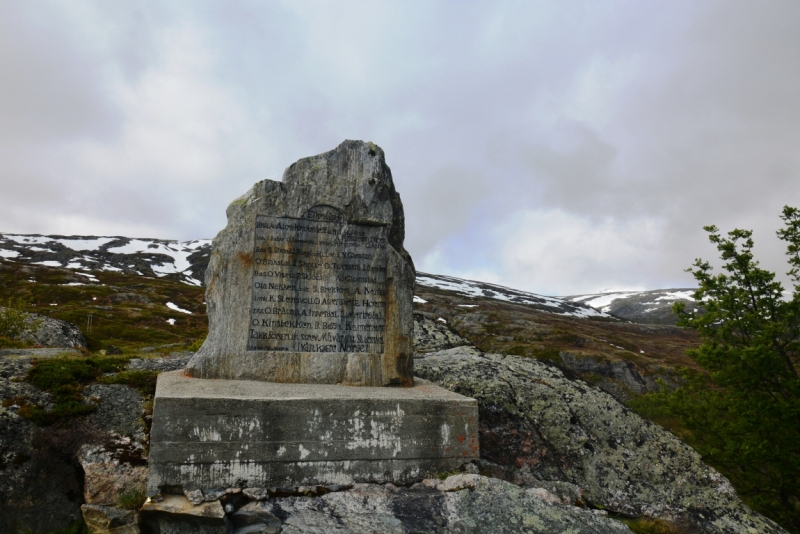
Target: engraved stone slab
{"x": 319, "y": 285}
{"x": 309, "y": 281}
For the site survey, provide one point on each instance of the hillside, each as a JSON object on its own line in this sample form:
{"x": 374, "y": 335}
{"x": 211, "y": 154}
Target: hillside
{"x": 646, "y": 307}
{"x": 130, "y": 294}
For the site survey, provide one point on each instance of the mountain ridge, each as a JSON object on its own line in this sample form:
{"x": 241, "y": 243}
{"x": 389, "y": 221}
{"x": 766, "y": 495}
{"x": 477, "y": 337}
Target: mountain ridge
{"x": 186, "y": 261}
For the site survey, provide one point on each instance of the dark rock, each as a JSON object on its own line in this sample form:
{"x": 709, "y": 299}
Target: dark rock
{"x": 120, "y": 408}
{"x": 40, "y": 488}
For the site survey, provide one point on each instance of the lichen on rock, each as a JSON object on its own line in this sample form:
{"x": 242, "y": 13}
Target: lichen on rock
{"x": 537, "y": 425}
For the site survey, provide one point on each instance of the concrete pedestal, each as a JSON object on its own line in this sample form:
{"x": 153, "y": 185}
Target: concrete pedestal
{"x": 210, "y": 434}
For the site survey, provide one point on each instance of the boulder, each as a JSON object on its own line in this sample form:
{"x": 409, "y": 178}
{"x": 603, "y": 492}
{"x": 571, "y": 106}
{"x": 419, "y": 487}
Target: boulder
{"x": 461, "y": 504}
{"x": 431, "y": 335}
{"x": 538, "y": 427}
{"x": 50, "y": 332}
{"x": 112, "y": 468}
{"x": 109, "y": 520}
{"x": 175, "y": 514}
{"x": 119, "y": 409}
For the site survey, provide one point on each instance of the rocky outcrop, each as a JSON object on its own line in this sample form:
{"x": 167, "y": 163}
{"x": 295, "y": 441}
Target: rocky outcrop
{"x": 109, "y": 520}
{"x": 111, "y": 468}
{"x": 462, "y": 504}
{"x": 40, "y": 487}
{"x": 538, "y": 426}
{"x": 432, "y": 335}
{"x": 644, "y": 307}
{"x": 48, "y": 332}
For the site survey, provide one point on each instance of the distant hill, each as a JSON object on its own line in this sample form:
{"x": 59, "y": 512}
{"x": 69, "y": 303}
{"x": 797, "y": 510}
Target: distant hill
{"x": 136, "y": 293}
{"x": 645, "y": 307}
{"x": 157, "y": 258}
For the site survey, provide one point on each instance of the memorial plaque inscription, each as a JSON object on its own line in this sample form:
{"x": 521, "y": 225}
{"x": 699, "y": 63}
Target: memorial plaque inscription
{"x": 319, "y": 284}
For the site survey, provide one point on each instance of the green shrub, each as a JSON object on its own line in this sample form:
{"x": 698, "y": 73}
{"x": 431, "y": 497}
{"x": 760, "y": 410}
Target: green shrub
{"x": 132, "y": 499}
{"x": 64, "y": 378}
{"x": 142, "y": 381}
{"x": 15, "y": 322}
{"x": 195, "y": 346}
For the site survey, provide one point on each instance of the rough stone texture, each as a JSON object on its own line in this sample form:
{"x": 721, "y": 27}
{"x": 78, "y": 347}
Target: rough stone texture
{"x": 172, "y": 362}
{"x": 431, "y": 335}
{"x": 109, "y": 520}
{"x": 537, "y": 425}
{"x": 462, "y": 504}
{"x": 54, "y": 333}
{"x": 39, "y": 489}
{"x": 235, "y": 433}
{"x": 354, "y": 180}
{"x": 112, "y": 468}
{"x": 174, "y": 514}
{"x": 644, "y": 307}
{"x": 119, "y": 410}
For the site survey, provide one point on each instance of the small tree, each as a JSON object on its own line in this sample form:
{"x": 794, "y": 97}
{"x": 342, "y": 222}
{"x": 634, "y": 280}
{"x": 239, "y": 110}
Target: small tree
{"x": 13, "y": 319}
{"x": 743, "y": 415}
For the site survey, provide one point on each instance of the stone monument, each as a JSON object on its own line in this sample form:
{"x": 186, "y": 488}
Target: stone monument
{"x": 309, "y": 293}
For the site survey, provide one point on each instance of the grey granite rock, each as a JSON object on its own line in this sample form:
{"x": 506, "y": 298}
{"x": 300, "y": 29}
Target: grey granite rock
{"x": 50, "y": 332}
{"x": 536, "y": 425}
{"x": 431, "y": 335}
{"x": 332, "y": 230}
{"x": 462, "y": 504}
{"x": 119, "y": 408}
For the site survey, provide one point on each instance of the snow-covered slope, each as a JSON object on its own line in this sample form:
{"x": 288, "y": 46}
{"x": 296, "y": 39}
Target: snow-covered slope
{"x": 653, "y": 307}
{"x": 470, "y": 288}
{"x": 185, "y": 261}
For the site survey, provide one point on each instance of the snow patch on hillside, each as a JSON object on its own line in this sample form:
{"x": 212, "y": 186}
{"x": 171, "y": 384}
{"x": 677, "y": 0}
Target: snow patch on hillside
{"x": 473, "y": 289}
{"x": 116, "y": 254}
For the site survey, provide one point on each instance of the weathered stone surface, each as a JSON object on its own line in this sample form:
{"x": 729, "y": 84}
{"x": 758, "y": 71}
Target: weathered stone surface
{"x": 109, "y": 520}
{"x": 309, "y": 281}
{"x": 51, "y": 332}
{"x": 536, "y": 425}
{"x": 174, "y": 514}
{"x": 431, "y": 335}
{"x": 236, "y": 433}
{"x": 171, "y": 362}
{"x": 475, "y": 505}
{"x": 119, "y": 408}
{"x": 252, "y": 518}
{"x": 112, "y": 468}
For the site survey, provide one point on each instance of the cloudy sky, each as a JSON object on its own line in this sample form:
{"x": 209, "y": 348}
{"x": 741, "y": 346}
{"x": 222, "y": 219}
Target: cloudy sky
{"x": 558, "y": 147}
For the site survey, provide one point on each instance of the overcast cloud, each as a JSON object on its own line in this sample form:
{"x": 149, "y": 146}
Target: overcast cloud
{"x": 558, "y": 147}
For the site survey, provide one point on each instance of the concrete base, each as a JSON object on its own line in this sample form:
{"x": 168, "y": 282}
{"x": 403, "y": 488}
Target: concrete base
{"x": 210, "y": 434}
